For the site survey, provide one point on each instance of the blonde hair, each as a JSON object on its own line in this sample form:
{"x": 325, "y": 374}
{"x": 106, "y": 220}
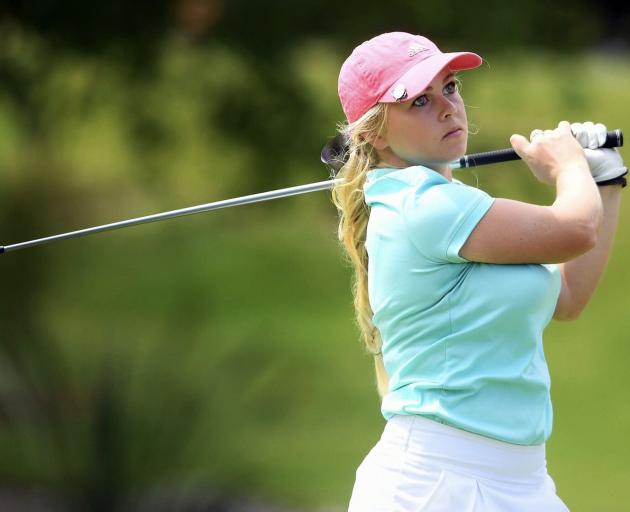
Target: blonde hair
{"x": 349, "y": 199}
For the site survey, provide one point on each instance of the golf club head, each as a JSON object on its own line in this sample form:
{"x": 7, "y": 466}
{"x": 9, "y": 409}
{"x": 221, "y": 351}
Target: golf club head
{"x": 334, "y": 153}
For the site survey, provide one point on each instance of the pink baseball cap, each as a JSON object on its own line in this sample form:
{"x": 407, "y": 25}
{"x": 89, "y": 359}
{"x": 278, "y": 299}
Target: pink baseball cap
{"x": 393, "y": 67}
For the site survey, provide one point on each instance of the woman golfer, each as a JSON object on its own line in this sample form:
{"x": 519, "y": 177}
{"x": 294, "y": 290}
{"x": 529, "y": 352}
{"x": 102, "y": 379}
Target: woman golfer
{"x": 454, "y": 288}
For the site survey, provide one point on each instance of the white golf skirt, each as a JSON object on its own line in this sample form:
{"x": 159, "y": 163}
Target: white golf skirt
{"x": 420, "y": 465}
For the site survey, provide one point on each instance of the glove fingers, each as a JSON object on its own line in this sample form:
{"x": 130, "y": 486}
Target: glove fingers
{"x": 601, "y": 132}
{"x": 589, "y": 134}
{"x": 591, "y": 137}
{"x": 580, "y": 134}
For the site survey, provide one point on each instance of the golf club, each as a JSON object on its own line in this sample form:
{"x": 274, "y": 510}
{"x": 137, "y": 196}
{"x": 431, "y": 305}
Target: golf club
{"x": 334, "y": 155}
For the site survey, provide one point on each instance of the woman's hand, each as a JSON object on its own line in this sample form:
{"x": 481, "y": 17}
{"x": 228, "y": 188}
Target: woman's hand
{"x": 551, "y": 153}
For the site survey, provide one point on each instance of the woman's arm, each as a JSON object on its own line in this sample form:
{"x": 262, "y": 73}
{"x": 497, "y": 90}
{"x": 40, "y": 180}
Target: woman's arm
{"x": 517, "y": 232}
{"x": 581, "y": 275}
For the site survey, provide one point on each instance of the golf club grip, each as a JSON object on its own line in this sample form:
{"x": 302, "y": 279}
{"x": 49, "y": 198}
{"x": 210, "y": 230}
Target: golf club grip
{"x": 614, "y": 139}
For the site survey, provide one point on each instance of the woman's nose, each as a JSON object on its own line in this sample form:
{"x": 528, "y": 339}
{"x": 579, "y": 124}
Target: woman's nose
{"x": 447, "y": 107}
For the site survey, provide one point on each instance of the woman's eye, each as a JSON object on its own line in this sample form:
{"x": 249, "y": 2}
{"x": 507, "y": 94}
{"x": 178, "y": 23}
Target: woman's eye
{"x": 421, "y": 101}
{"x": 450, "y": 87}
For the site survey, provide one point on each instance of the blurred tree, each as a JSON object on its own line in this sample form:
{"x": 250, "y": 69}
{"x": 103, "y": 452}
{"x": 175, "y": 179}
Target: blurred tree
{"x": 130, "y": 31}
{"x": 266, "y": 35}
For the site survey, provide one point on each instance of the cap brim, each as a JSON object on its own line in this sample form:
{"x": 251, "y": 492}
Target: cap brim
{"x": 418, "y": 78}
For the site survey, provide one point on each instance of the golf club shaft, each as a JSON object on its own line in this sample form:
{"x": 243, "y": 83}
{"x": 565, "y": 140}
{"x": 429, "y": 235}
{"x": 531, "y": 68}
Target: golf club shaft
{"x": 476, "y": 159}
{"x": 254, "y": 198}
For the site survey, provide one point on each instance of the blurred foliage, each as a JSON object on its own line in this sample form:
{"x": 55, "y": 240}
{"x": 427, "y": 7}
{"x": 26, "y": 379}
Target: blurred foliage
{"x": 265, "y": 98}
{"x": 124, "y": 29}
{"x": 218, "y": 351}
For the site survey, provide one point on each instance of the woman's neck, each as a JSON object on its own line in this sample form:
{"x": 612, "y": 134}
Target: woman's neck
{"x": 445, "y": 170}
{"x": 390, "y": 160}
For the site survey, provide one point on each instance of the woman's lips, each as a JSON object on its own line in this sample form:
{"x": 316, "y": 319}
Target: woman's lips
{"x": 454, "y": 133}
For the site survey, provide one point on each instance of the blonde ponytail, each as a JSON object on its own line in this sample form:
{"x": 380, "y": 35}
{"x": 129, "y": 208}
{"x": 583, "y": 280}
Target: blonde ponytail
{"x": 353, "y": 219}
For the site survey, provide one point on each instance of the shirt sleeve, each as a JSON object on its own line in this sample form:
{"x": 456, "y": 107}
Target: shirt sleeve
{"x": 441, "y": 217}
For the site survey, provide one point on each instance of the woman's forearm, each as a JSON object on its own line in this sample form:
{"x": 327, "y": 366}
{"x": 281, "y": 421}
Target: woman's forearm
{"x": 579, "y": 204}
{"x": 581, "y": 275}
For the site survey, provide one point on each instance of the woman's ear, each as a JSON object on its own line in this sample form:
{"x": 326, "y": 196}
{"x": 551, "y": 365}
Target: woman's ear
{"x": 379, "y": 142}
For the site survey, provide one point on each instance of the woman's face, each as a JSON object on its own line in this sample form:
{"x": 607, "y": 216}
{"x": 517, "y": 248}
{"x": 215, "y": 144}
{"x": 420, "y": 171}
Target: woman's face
{"x": 430, "y": 129}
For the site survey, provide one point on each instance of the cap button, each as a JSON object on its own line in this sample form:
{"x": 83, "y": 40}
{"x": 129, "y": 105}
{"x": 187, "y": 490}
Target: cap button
{"x": 400, "y": 92}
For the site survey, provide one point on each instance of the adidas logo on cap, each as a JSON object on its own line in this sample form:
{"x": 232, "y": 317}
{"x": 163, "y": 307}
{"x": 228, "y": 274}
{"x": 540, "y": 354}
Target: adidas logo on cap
{"x": 415, "y": 49}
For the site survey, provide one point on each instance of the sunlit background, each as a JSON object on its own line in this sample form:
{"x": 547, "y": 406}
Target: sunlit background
{"x": 211, "y": 362}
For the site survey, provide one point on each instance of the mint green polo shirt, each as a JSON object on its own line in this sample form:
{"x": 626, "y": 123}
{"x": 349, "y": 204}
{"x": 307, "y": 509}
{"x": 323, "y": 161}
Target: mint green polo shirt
{"x": 462, "y": 340}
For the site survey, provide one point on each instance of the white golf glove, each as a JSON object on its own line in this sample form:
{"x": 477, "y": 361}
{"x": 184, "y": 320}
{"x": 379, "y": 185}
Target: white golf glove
{"x": 606, "y": 164}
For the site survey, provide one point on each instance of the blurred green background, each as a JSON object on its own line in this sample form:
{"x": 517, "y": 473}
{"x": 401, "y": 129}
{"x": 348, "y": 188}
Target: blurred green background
{"x": 213, "y": 359}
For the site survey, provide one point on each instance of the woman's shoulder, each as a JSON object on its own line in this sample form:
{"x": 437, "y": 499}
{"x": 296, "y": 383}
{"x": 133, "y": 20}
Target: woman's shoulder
{"x": 393, "y": 178}
{"x": 383, "y": 184}
{"x": 411, "y": 175}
